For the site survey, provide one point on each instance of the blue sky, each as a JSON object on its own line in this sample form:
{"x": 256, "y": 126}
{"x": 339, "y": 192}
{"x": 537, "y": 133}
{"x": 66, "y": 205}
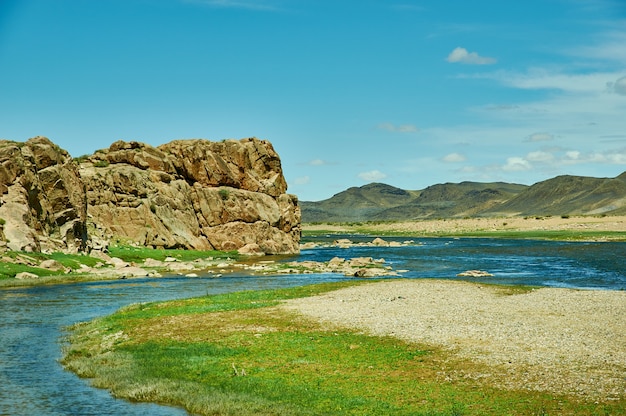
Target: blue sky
{"x": 409, "y": 93}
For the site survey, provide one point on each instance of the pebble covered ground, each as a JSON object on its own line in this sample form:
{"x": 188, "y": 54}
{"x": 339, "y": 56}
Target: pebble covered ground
{"x": 554, "y": 340}
{"x": 468, "y": 225}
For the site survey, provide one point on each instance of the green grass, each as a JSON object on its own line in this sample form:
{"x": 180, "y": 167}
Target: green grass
{"x": 9, "y": 270}
{"x": 237, "y": 354}
{"x": 138, "y": 254}
{"x": 557, "y": 235}
{"x": 128, "y": 253}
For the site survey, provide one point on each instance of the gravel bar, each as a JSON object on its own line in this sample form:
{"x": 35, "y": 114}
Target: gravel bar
{"x": 561, "y": 341}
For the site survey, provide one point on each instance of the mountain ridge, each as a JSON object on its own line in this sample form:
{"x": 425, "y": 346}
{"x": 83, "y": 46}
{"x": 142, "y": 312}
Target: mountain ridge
{"x": 560, "y": 195}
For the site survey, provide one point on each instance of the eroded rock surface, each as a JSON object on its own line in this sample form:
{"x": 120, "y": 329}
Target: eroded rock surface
{"x": 42, "y": 204}
{"x": 192, "y": 194}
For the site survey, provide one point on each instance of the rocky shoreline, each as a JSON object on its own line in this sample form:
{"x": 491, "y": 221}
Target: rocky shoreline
{"x": 452, "y": 226}
{"x": 109, "y": 267}
{"x": 254, "y": 262}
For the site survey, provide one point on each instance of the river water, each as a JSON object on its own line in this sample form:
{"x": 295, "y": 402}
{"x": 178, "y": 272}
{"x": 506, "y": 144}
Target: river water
{"x": 32, "y": 320}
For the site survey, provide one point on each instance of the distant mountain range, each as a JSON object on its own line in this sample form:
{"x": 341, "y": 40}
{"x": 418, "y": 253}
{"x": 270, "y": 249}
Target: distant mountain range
{"x": 562, "y": 195}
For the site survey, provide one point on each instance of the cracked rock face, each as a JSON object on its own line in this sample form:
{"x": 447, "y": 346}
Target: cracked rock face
{"x": 192, "y": 194}
{"x": 42, "y": 203}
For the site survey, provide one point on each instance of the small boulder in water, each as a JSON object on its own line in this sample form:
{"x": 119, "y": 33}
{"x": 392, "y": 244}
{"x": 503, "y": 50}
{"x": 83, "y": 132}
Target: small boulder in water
{"x": 475, "y": 273}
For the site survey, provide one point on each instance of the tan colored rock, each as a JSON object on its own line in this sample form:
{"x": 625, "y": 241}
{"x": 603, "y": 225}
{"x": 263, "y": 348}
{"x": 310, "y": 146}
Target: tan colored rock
{"x": 192, "y": 194}
{"x": 42, "y": 199}
{"x": 52, "y": 265}
{"x": 26, "y": 275}
{"x": 475, "y": 273}
{"x": 251, "y": 249}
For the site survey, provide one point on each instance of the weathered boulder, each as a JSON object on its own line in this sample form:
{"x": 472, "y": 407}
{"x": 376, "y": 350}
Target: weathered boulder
{"x": 42, "y": 198}
{"x": 26, "y": 275}
{"x": 475, "y": 273}
{"x": 193, "y": 194}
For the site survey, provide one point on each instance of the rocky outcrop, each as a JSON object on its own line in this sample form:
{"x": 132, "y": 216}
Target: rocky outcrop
{"x": 192, "y": 194}
{"x": 42, "y": 204}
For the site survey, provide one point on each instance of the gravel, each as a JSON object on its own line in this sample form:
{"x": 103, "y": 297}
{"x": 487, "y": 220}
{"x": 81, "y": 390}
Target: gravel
{"x": 554, "y": 340}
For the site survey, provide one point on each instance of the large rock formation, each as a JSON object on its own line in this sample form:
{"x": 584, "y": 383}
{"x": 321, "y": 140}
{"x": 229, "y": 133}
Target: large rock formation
{"x": 42, "y": 204}
{"x": 195, "y": 194}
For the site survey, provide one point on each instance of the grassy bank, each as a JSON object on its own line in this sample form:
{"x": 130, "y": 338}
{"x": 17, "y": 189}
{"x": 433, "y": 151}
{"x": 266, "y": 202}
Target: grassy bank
{"x": 77, "y": 264}
{"x": 456, "y": 228}
{"x": 237, "y": 354}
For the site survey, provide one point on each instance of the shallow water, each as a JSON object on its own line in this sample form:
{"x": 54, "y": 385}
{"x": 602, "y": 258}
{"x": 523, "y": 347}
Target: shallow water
{"x": 585, "y": 265}
{"x": 32, "y": 319}
{"x": 32, "y": 382}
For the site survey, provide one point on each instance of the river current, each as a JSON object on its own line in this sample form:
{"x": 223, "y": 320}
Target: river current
{"x": 32, "y": 320}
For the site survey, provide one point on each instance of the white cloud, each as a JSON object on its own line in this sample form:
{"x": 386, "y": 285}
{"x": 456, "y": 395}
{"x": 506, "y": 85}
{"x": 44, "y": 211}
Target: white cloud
{"x": 302, "y": 180}
{"x": 539, "y": 137}
{"x": 572, "y": 155}
{"x": 558, "y": 158}
{"x": 618, "y": 87}
{"x": 610, "y": 48}
{"x": 403, "y": 128}
{"x": 540, "y": 156}
{"x": 317, "y": 162}
{"x": 541, "y": 78}
{"x": 516, "y": 164}
{"x": 461, "y": 55}
{"x": 372, "y": 176}
{"x": 454, "y": 158}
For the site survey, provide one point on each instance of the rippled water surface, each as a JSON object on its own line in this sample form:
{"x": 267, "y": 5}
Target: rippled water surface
{"x": 520, "y": 262}
{"x": 32, "y": 319}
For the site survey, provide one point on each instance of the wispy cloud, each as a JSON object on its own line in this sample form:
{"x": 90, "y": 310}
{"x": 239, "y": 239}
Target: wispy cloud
{"x": 516, "y": 164}
{"x": 454, "y": 158}
{"x": 609, "y": 48}
{"x": 556, "y": 79}
{"x": 318, "y": 162}
{"x": 539, "y": 137}
{"x": 372, "y": 176}
{"x": 402, "y": 128}
{"x": 462, "y": 56}
{"x": 618, "y": 87}
{"x": 236, "y": 4}
{"x": 302, "y": 180}
{"x": 543, "y": 159}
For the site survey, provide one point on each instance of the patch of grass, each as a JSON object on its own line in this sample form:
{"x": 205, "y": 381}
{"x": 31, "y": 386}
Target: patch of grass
{"x": 138, "y": 254}
{"x": 101, "y": 163}
{"x": 9, "y": 270}
{"x": 239, "y": 354}
{"x": 73, "y": 261}
{"x": 558, "y": 235}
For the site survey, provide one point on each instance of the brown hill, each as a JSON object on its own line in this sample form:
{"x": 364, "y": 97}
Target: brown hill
{"x": 563, "y": 195}
{"x": 571, "y": 195}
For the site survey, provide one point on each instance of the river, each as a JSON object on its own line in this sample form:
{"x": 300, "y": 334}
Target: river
{"x": 32, "y": 320}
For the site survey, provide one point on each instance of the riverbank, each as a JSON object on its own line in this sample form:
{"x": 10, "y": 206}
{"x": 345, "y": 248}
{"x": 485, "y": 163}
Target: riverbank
{"x": 530, "y": 339}
{"x": 390, "y": 347}
{"x": 600, "y": 228}
{"x": 130, "y": 261}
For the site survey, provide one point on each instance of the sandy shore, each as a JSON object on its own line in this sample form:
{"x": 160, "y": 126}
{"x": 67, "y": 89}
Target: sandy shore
{"x": 609, "y": 223}
{"x": 554, "y": 340}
